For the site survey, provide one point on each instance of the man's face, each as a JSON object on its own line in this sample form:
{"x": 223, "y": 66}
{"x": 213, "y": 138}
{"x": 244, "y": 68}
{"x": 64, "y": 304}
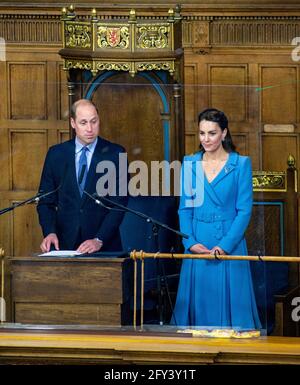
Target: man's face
{"x": 86, "y": 123}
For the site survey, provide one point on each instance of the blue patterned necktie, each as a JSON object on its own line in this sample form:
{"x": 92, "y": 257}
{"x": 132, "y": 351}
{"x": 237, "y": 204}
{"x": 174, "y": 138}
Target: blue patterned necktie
{"x": 82, "y": 169}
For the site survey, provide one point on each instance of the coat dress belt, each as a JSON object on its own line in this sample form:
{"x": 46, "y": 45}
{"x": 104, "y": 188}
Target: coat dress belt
{"x": 224, "y": 215}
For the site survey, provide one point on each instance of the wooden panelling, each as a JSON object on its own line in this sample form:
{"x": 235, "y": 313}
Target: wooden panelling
{"x": 25, "y": 227}
{"x": 63, "y": 136}
{"x": 276, "y": 149}
{"x": 255, "y": 32}
{"x": 27, "y": 149}
{"x": 63, "y": 282}
{"x": 3, "y": 104}
{"x": 4, "y": 159}
{"x": 76, "y": 314}
{"x": 62, "y": 94}
{"x": 71, "y": 290}
{"x": 39, "y": 30}
{"x": 191, "y": 88}
{"x": 29, "y": 124}
{"x": 263, "y": 234}
{"x": 228, "y": 90}
{"x": 277, "y": 82}
{"x": 27, "y": 91}
{"x": 241, "y": 142}
{"x": 5, "y": 227}
{"x": 130, "y": 114}
{"x": 191, "y": 143}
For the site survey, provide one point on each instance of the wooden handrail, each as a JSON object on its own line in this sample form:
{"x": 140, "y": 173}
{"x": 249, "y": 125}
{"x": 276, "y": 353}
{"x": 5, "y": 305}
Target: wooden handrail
{"x": 142, "y": 255}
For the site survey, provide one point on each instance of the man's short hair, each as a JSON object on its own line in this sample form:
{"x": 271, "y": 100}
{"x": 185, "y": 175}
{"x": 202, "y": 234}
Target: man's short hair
{"x": 77, "y": 103}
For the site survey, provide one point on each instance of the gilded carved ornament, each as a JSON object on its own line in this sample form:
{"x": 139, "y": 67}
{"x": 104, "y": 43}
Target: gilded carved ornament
{"x": 132, "y": 44}
{"x": 269, "y": 181}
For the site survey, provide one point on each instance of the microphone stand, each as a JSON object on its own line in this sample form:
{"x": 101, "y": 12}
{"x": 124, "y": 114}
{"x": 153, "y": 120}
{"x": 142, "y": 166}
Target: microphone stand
{"x": 36, "y": 198}
{"x": 156, "y": 225}
{"x": 138, "y": 213}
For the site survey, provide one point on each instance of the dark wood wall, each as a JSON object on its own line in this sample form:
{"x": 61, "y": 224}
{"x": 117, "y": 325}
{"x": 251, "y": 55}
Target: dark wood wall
{"x": 237, "y": 57}
{"x": 33, "y": 116}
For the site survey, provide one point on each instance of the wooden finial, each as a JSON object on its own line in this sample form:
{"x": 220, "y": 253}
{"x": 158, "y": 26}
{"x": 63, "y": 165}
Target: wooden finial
{"x": 171, "y": 14}
{"x": 291, "y": 161}
{"x": 132, "y": 15}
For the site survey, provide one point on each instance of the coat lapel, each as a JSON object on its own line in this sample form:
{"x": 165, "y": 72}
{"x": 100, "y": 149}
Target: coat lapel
{"x": 207, "y": 186}
{"x": 227, "y": 169}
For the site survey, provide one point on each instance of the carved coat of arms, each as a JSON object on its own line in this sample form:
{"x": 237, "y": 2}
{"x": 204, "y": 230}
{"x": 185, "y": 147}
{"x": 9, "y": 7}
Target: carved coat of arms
{"x": 113, "y": 36}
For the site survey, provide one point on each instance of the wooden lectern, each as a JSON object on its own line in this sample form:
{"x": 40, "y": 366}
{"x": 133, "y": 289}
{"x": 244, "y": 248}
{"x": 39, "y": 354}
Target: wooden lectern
{"x": 68, "y": 290}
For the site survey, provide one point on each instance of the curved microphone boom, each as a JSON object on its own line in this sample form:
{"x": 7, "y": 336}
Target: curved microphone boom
{"x": 36, "y": 198}
{"x": 97, "y": 198}
{"x": 98, "y": 202}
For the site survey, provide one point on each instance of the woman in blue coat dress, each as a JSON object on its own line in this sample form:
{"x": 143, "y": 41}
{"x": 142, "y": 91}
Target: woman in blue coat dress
{"x": 216, "y": 293}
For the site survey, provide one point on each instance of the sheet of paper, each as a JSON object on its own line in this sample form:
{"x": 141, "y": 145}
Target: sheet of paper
{"x": 60, "y": 253}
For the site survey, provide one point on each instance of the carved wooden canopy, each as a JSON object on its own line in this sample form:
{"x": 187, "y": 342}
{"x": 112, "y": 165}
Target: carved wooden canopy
{"x": 128, "y": 44}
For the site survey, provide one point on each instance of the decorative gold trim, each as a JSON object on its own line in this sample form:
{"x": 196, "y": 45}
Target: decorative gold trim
{"x": 131, "y": 45}
{"x": 153, "y": 36}
{"x": 269, "y": 181}
{"x": 165, "y": 66}
{"x": 77, "y": 35}
{"x": 109, "y": 66}
{"x": 78, "y": 64}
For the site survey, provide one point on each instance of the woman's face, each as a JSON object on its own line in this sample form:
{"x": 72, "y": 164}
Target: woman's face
{"x": 211, "y": 135}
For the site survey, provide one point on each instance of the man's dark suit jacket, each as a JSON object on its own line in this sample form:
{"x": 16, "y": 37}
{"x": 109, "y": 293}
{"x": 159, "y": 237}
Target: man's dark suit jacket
{"x": 74, "y": 218}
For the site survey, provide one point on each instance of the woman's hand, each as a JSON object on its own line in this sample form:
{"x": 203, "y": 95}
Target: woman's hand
{"x": 198, "y": 248}
{"x": 217, "y": 250}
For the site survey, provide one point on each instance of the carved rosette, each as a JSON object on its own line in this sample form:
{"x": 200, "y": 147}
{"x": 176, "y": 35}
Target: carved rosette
{"x": 78, "y": 35}
{"x": 269, "y": 181}
{"x": 153, "y": 36}
{"x": 113, "y": 37}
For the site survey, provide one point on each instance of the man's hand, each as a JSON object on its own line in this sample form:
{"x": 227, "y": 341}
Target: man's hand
{"x": 51, "y": 239}
{"x": 90, "y": 246}
{"x": 198, "y": 248}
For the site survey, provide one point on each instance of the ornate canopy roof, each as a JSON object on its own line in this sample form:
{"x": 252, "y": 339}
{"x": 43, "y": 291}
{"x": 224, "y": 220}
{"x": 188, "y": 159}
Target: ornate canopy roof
{"x": 129, "y": 44}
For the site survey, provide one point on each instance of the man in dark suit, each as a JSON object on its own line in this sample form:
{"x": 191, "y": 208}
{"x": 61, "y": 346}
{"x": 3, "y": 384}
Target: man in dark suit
{"x": 70, "y": 219}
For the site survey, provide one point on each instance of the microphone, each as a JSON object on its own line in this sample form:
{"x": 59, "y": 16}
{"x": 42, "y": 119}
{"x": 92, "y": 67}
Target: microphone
{"x": 98, "y": 202}
{"x": 83, "y": 168}
{"x": 36, "y": 198}
{"x": 40, "y": 195}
